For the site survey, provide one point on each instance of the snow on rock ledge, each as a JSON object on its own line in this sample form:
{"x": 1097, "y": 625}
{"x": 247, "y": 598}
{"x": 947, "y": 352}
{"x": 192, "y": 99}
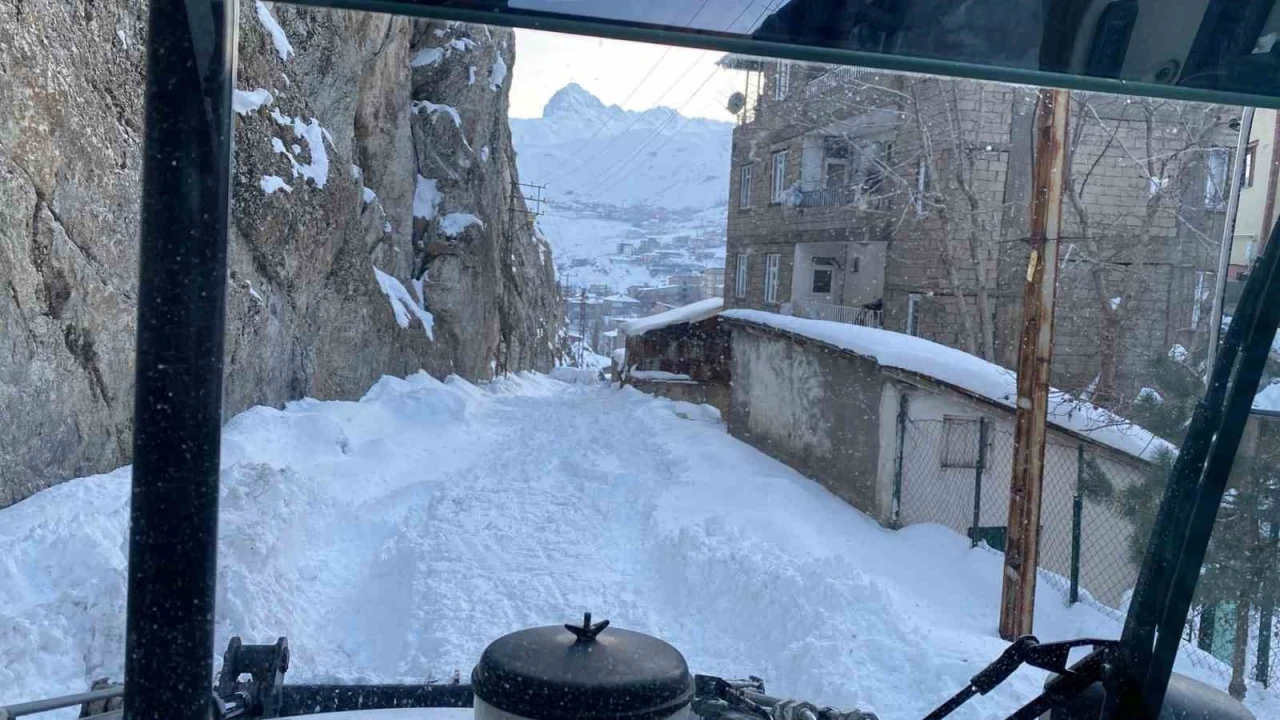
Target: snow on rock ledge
{"x": 966, "y": 372}
{"x": 403, "y": 304}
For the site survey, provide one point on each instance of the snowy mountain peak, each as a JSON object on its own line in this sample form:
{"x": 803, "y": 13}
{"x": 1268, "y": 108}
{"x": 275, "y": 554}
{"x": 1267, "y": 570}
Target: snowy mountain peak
{"x": 572, "y": 100}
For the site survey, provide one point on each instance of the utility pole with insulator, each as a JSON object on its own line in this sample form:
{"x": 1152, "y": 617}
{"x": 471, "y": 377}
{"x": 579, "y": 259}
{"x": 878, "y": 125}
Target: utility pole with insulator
{"x": 1022, "y": 548}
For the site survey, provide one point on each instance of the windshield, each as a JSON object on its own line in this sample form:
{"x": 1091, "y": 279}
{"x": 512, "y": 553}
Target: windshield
{"x": 724, "y": 348}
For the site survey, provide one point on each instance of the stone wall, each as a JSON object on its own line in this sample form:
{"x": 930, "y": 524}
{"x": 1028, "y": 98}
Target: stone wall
{"x": 306, "y": 315}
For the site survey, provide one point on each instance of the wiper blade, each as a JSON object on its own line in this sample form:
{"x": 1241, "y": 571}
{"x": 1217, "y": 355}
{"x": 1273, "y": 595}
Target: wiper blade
{"x": 1053, "y": 656}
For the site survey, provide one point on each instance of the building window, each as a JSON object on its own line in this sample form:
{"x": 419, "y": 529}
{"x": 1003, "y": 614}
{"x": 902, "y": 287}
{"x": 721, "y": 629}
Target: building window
{"x": 779, "y": 176}
{"x": 782, "y": 80}
{"x": 1250, "y": 162}
{"x": 913, "y": 311}
{"x": 821, "y": 281}
{"x": 857, "y": 264}
{"x": 823, "y": 275}
{"x": 771, "y": 262}
{"x": 1215, "y": 181}
{"x": 744, "y": 187}
{"x": 835, "y": 159}
{"x": 960, "y": 439}
{"x": 740, "y": 276}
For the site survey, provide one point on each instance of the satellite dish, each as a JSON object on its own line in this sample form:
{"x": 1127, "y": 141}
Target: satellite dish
{"x": 737, "y": 101}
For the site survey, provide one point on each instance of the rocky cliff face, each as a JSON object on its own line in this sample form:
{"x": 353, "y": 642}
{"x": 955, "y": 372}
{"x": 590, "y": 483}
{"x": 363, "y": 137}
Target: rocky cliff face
{"x": 375, "y": 226}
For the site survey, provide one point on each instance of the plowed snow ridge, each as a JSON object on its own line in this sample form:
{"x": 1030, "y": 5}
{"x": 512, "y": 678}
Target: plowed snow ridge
{"x": 390, "y": 539}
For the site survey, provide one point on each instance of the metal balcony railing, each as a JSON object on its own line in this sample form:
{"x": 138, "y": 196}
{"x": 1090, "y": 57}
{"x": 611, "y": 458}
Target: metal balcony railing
{"x": 865, "y": 317}
{"x": 836, "y": 77}
{"x": 843, "y": 195}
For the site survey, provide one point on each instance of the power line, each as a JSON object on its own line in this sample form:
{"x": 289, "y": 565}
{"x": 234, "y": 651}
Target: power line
{"x": 767, "y": 7}
{"x": 633, "y": 92}
{"x": 613, "y": 172}
{"x": 617, "y": 169}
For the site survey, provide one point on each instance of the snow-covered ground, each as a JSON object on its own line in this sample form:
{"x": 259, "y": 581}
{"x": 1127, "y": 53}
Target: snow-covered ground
{"x": 390, "y": 539}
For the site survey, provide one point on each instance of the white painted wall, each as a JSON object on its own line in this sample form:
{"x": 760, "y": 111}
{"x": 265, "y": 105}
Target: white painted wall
{"x": 849, "y": 288}
{"x": 934, "y": 494}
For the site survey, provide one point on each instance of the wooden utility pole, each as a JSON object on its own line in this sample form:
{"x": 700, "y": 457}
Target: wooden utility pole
{"x": 1022, "y": 548}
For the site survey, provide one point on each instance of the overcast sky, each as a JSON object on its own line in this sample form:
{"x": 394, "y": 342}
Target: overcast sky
{"x": 612, "y": 69}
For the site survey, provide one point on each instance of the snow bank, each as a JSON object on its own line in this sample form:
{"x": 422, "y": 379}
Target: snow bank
{"x": 576, "y": 376}
{"x": 454, "y": 223}
{"x": 245, "y": 102}
{"x": 403, "y": 304}
{"x": 693, "y": 312}
{"x": 426, "y": 198}
{"x": 659, "y": 376}
{"x": 278, "y": 38}
{"x": 392, "y": 538}
{"x": 967, "y": 372}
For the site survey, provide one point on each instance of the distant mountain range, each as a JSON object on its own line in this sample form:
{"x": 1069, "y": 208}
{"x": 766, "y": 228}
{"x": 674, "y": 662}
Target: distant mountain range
{"x": 595, "y": 154}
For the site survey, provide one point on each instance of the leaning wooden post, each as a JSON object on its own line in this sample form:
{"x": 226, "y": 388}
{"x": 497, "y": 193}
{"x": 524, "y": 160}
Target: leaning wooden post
{"x": 1017, "y": 600}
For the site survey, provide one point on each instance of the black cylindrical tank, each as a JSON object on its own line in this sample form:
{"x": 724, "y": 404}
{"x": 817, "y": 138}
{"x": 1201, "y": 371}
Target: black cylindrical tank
{"x": 588, "y": 672}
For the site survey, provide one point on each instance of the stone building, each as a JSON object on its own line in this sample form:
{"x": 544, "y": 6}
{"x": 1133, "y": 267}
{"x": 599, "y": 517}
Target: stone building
{"x": 901, "y": 202}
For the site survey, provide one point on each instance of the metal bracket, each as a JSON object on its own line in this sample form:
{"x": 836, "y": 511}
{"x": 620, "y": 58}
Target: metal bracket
{"x": 260, "y": 695}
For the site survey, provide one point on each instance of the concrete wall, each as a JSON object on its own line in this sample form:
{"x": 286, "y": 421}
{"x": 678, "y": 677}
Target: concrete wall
{"x": 813, "y": 408}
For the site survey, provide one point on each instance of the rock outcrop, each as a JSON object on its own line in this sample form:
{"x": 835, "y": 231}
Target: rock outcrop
{"x": 375, "y": 229}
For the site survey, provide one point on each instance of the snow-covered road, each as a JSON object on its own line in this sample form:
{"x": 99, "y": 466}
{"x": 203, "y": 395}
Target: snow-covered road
{"x": 390, "y": 539}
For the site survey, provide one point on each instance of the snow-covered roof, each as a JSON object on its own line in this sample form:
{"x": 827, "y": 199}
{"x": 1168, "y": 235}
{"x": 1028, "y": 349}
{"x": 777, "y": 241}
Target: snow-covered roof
{"x": 738, "y": 61}
{"x": 693, "y": 312}
{"x": 968, "y": 373}
{"x": 621, "y": 299}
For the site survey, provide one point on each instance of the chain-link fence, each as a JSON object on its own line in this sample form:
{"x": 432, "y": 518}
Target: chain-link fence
{"x": 1097, "y": 509}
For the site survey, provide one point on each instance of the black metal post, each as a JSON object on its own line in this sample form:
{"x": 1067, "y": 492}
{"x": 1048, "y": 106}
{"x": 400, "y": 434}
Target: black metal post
{"x": 1077, "y": 513}
{"x": 896, "y": 510}
{"x": 978, "y": 467}
{"x": 1268, "y": 609}
{"x": 178, "y": 398}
